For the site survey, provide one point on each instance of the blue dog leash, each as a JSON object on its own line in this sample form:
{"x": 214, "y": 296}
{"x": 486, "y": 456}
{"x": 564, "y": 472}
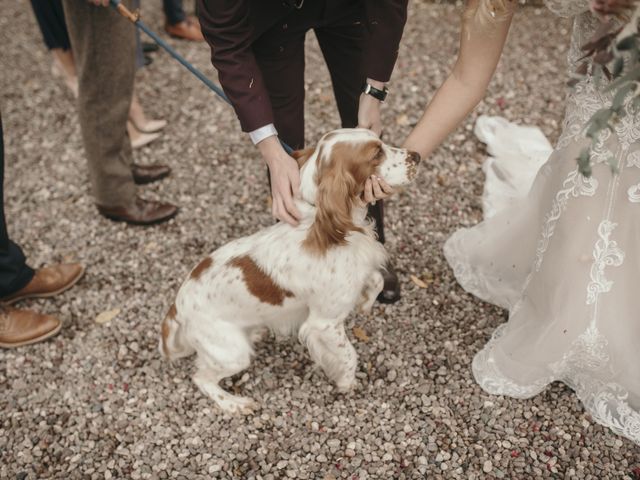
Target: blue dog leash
{"x": 135, "y": 19}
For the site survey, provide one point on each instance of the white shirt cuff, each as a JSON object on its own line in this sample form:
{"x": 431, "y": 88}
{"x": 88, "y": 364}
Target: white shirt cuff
{"x": 263, "y": 132}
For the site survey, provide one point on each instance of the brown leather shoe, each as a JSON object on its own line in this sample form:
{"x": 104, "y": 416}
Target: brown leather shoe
{"x": 48, "y": 282}
{"x": 143, "y": 174}
{"x": 24, "y": 327}
{"x": 391, "y": 291}
{"x": 142, "y": 212}
{"x": 189, "y": 29}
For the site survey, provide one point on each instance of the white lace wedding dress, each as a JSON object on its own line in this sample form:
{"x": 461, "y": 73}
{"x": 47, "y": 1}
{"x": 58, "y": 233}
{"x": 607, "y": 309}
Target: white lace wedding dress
{"x": 565, "y": 261}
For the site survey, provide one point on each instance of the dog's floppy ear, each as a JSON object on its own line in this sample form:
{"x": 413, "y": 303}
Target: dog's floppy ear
{"x": 336, "y": 191}
{"x": 301, "y": 156}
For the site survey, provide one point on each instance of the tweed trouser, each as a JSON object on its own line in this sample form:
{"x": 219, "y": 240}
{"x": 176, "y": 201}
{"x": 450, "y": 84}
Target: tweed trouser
{"x": 103, "y": 44}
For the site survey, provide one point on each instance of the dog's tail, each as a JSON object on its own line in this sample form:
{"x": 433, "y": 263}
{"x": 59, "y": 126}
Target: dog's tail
{"x": 173, "y": 345}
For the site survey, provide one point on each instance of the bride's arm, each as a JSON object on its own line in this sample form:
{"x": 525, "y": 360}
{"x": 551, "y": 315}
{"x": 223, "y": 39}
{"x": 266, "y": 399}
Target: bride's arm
{"x": 480, "y": 49}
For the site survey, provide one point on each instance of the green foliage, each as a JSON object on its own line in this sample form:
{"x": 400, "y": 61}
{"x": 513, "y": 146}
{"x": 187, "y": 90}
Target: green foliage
{"x": 615, "y": 68}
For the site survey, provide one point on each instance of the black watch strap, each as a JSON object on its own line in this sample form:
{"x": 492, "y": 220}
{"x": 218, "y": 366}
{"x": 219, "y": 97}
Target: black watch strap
{"x": 381, "y": 95}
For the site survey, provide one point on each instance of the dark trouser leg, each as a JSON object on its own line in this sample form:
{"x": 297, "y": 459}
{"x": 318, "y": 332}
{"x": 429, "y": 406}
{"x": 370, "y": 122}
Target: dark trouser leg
{"x": 283, "y": 74}
{"x": 174, "y": 11}
{"x": 104, "y": 48}
{"x": 342, "y": 44}
{"x": 282, "y": 66}
{"x": 50, "y": 17}
{"x": 14, "y": 272}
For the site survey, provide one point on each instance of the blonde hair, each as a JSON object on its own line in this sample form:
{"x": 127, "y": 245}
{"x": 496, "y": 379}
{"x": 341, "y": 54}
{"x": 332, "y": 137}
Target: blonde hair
{"x": 486, "y": 12}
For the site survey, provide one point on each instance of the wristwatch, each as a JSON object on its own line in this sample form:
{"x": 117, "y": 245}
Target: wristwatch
{"x": 381, "y": 95}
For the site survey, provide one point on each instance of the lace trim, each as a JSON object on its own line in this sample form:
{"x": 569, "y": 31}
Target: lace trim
{"x": 633, "y": 159}
{"x": 575, "y": 185}
{"x": 564, "y": 8}
{"x": 607, "y": 403}
{"x": 611, "y": 408}
{"x": 606, "y": 254}
{"x": 634, "y": 193}
{"x": 471, "y": 280}
{"x": 462, "y": 270}
{"x": 492, "y": 380}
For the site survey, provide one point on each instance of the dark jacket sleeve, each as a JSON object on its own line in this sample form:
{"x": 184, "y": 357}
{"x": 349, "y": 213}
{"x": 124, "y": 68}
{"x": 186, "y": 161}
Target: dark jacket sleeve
{"x": 226, "y": 25}
{"x": 385, "y": 22}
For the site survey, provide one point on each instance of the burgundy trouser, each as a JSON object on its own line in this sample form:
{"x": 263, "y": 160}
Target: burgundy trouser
{"x": 340, "y": 28}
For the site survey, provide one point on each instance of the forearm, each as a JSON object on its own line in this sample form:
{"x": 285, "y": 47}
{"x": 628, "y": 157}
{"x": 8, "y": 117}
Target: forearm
{"x": 226, "y": 26}
{"x": 451, "y": 104}
{"x": 480, "y": 50}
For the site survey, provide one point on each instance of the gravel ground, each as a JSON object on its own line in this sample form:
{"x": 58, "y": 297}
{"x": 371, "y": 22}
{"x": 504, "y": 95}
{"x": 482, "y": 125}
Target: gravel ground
{"x": 97, "y": 402}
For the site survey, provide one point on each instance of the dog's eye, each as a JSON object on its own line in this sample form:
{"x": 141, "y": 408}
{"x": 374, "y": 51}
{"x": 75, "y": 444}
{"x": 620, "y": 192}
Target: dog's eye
{"x": 379, "y": 154}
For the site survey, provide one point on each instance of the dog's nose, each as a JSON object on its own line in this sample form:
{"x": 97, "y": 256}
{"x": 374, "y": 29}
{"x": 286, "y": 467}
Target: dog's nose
{"x": 413, "y": 156}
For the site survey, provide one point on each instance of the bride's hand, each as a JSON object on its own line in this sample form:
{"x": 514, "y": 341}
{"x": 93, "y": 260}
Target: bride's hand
{"x": 375, "y": 188}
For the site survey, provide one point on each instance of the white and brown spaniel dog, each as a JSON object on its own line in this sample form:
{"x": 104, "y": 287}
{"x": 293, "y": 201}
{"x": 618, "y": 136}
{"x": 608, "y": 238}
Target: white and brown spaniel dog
{"x": 304, "y": 279}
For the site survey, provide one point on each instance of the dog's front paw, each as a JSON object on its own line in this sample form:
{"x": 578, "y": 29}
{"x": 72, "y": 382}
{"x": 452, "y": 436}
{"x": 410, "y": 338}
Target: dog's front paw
{"x": 346, "y": 384}
{"x": 370, "y": 293}
{"x": 365, "y": 307}
{"x": 256, "y": 335}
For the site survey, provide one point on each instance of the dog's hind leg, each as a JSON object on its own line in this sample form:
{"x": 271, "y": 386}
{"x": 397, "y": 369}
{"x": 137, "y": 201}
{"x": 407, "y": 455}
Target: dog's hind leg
{"x": 330, "y": 348}
{"x": 173, "y": 344}
{"x": 221, "y": 356}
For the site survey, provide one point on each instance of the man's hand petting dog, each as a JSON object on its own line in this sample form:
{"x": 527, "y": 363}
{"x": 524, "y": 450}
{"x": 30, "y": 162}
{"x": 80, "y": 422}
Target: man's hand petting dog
{"x": 375, "y": 188}
{"x": 285, "y": 180}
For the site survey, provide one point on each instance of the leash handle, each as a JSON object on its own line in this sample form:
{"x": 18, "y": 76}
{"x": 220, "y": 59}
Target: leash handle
{"x": 134, "y": 17}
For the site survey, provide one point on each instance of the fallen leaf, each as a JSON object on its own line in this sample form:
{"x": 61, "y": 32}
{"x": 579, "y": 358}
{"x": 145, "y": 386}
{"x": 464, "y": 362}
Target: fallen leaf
{"x": 150, "y": 246}
{"x": 69, "y": 258}
{"x": 402, "y": 120}
{"x": 106, "y": 317}
{"x": 360, "y": 334}
{"x": 418, "y": 282}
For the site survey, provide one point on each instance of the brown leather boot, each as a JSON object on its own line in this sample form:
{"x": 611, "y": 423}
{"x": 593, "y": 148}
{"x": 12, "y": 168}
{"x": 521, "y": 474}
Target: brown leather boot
{"x": 143, "y": 174}
{"x": 47, "y": 282}
{"x": 142, "y": 212}
{"x": 189, "y": 29}
{"x": 24, "y": 327}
